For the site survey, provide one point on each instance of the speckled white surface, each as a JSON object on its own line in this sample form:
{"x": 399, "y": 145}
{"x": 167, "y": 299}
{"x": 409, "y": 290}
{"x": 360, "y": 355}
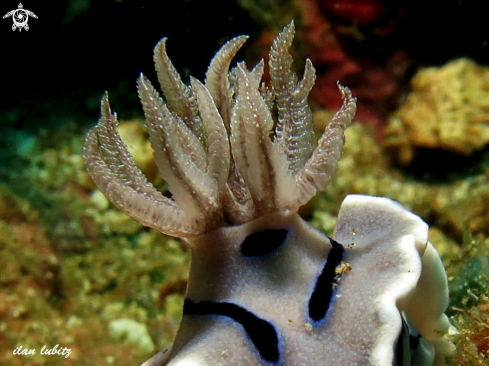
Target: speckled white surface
{"x": 235, "y": 171}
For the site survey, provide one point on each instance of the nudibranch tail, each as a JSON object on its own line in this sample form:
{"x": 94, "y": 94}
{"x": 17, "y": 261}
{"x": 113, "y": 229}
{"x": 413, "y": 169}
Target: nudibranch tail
{"x": 216, "y": 145}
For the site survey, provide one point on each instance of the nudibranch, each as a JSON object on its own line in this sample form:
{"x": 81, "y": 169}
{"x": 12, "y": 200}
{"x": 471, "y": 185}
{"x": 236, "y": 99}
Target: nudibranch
{"x": 265, "y": 288}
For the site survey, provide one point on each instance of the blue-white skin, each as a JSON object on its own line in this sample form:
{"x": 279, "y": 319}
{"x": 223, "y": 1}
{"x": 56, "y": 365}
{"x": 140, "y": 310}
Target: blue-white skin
{"x": 265, "y": 288}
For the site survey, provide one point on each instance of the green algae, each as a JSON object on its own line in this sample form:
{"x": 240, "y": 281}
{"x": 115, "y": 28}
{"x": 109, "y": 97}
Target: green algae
{"x": 85, "y": 265}
{"x": 471, "y": 282}
{"x": 73, "y": 265}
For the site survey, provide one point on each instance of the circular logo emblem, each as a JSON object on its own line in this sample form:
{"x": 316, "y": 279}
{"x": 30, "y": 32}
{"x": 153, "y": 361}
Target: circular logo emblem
{"x": 20, "y": 17}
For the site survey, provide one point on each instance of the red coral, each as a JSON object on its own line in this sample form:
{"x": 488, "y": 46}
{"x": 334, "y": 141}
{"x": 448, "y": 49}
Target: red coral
{"x": 375, "y": 78}
{"x": 356, "y": 11}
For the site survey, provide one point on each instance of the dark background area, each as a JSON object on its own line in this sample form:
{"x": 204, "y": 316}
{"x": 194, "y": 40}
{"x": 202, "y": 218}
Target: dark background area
{"x": 69, "y": 57}
{"x": 76, "y": 50}
{"x": 54, "y": 75}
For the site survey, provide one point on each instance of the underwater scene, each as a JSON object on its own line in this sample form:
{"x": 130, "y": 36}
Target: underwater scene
{"x": 202, "y": 155}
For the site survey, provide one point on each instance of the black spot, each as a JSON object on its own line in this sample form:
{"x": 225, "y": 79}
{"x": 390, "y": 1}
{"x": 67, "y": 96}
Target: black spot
{"x": 262, "y": 333}
{"x": 320, "y": 299}
{"x": 263, "y": 242}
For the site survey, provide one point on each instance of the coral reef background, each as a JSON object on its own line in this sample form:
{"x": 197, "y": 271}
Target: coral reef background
{"x": 75, "y": 271}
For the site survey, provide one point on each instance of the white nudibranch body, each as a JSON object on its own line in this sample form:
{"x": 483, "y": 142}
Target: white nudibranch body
{"x": 265, "y": 288}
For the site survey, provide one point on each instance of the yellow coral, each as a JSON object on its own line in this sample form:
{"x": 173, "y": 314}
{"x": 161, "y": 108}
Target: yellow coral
{"x": 447, "y": 109}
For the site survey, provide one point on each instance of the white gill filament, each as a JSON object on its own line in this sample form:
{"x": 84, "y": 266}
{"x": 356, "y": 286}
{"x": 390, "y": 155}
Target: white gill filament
{"x": 179, "y": 97}
{"x": 294, "y": 125}
{"x": 130, "y": 191}
{"x": 216, "y": 145}
{"x": 218, "y": 149}
{"x": 320, "y": 167}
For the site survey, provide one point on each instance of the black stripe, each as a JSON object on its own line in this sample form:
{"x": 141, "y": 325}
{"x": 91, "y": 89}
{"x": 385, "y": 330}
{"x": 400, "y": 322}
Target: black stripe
{"x": 263, "y": 242}
{"x": 400, "y": 345}
{"x": 321, "y": 296}
{"x": 414, "y": 342}
{"x": 407, "y": 344}
{"x": 262, "y": 333}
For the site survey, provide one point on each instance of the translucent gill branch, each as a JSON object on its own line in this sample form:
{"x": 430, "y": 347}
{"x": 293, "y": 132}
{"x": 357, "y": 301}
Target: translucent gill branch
{"x": 321, "y": 166}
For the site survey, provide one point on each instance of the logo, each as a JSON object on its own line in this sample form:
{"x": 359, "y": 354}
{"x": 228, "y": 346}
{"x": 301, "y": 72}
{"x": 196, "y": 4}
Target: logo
{"x": 20, "y": 17}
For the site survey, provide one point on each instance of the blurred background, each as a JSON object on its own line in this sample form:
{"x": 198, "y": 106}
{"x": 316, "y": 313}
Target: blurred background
{"x": 75, "y": 271}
